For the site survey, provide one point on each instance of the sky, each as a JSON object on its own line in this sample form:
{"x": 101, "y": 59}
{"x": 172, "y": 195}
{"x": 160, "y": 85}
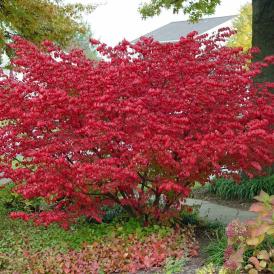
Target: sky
{"x": 114, "y": 20}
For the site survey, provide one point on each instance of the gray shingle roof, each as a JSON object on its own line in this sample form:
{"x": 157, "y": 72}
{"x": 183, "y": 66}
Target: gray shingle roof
{"x": 174, "y": 30}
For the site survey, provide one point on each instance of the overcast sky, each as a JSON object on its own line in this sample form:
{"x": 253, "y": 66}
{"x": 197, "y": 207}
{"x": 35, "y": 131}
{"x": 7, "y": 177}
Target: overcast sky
{"x": 115, "y": 20}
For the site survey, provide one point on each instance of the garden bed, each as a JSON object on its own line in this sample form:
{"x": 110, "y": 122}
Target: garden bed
{"x": 117, "y": 247}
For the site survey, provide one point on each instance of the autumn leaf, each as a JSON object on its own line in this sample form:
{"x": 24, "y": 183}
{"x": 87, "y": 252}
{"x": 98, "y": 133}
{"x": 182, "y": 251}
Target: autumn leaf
{"x": 255, "y": 240}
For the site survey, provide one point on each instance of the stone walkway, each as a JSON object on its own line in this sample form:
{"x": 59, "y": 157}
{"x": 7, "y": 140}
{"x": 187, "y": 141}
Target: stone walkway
{"x": 215, "y": 212}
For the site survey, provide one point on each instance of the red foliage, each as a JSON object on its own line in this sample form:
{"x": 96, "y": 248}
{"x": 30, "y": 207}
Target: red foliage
{"x": 138, "y": 128}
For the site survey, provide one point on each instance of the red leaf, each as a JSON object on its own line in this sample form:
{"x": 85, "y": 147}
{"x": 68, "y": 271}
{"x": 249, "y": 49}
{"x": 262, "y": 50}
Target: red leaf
{"x": 256, "y": 165}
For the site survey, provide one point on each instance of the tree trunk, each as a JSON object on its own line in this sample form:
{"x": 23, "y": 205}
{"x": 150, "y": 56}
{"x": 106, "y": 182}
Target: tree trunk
{"x": 263, "y": 34}
{"x": 263, "y": 38}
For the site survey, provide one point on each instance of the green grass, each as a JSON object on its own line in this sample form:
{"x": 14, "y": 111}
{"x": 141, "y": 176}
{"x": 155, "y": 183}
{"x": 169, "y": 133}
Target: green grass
{"x": 216, "y": 247}
{"x": 246, "y": 190}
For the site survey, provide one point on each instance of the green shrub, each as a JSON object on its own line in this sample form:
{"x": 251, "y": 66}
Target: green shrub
{"x": 12, "y": 201}
{"x": 246, "y": 190}
{"x": 114, "y": 213}
{"x": 189, "y": 217}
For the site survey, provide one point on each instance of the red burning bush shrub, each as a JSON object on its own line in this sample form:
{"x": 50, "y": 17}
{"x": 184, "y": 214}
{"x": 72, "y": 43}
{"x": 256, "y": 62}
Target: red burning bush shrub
{"x": 136, "y": 129}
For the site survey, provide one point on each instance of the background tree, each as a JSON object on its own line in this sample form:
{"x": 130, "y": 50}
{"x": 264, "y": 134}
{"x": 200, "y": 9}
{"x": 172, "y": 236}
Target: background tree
{"x": 82, "y": 41}
{"x": 39, "y": 20}
{"x": 243, "y": 24}
{"x": 262, "y": 22}
{"x": 263, "y": 34}
{"x": 196, "y": 9}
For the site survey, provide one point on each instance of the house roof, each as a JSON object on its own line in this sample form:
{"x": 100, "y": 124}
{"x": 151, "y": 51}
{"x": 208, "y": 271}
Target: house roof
{"x": 174, "y": 30}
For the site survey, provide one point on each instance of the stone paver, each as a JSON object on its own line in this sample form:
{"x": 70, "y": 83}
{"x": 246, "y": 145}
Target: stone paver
{"x": 223, "y": 214}
{"x": 4, "y": 181}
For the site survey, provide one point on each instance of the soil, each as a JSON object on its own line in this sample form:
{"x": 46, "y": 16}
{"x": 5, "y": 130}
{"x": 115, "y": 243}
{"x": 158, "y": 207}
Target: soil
{"x": 204, "y": 194}
{"x": 195, "y": 263}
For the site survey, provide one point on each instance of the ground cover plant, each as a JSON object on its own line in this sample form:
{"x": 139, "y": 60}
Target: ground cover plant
{"x": 121, "y": 244}
{"x": 137, "y": 129}
{"x": 250, "y": 239}
{"x": 211, "y": 269}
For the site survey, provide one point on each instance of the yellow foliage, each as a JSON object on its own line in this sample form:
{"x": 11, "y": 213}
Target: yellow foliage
{"x": 211, "y": 269}
{"x": 243, "y": 25}
{"x": 39, "y": 20}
